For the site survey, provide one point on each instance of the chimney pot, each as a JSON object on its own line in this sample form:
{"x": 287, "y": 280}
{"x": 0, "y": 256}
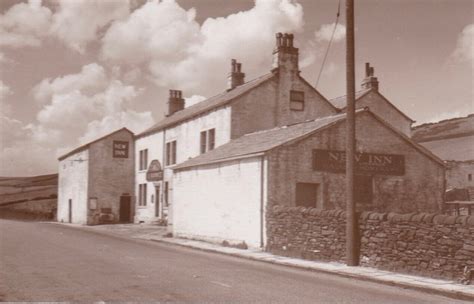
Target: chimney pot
{"x": 370, "y": 81}
{"x": 175, "y": 102}
{"x": 236, "y": 77}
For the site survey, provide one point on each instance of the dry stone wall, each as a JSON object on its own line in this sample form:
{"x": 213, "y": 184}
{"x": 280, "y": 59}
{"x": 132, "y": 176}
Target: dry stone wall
{"x": 426, "y": 244}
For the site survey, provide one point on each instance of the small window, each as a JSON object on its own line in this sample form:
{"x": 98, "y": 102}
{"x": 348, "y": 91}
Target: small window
{"x": 143, "y": 160}
{"x": 212, "y": 139}
{"x": 203, "y": 142}
{"x": 469, "y": 177}
{"x": 306, "y": 194}
{"x": 142, "y": 195}
{"x": 208, "y": 140}
{"x": 297, "y": 100}
{"x": 171, "y": 153}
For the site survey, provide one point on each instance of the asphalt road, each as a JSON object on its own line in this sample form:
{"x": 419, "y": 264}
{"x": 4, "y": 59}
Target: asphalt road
{"x": 52, "y": 262}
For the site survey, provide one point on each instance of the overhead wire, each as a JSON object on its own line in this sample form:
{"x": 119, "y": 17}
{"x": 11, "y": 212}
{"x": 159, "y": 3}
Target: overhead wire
{"x": 330, "y": 42}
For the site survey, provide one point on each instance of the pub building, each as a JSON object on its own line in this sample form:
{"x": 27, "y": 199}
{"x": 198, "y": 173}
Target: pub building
{"x": 302, "y": 165}
{"x": 95, "y": 183}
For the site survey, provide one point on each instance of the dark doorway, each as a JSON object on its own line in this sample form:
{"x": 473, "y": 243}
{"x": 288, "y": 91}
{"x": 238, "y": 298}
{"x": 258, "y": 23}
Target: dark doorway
{"x": 157, "y": 201}
{"x": 307, "y": 194}
{"x": 125, "y": 208}
{"x": 70, "y": 211}
{"x": 363, "y": 191}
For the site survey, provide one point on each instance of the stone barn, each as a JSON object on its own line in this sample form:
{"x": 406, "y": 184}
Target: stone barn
{"x": 96, "y": 181}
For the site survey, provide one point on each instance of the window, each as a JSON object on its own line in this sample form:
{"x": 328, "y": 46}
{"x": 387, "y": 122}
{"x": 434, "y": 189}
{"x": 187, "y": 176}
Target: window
{"x": 208, "y": 140}
{"x": 297, "y": 100}
{"x": 171, "y": 153}
{"x": 212, "y": 139}
{"x": 306, "y": 194}
{"x": 143, "y": 160}
{"x": 469, "y": 177}
{"x": 142, "y": 195}
{"x": 166, "y": 194}
{"x": 203, "y": 141}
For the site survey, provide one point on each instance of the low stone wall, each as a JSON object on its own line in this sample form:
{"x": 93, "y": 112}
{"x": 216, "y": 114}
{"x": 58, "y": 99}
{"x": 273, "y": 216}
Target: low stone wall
{"x": 44, "y": 209}
{"x": 432, "y": 245}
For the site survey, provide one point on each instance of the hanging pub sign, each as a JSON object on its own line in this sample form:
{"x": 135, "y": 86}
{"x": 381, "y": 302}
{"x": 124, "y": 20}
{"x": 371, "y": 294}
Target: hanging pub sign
{"x": 154, "y": 172}
{"x": 365, "y": 163}
{"x": 120, "y": 149}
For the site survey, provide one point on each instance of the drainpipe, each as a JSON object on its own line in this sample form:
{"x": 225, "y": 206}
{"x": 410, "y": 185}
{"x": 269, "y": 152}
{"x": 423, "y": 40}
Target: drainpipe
{"x": 162, "y": 188}
{"x": 262, "y": 197}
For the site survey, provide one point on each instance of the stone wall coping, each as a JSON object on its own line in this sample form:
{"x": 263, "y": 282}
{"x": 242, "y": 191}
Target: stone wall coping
{"x": 422, "y": 217}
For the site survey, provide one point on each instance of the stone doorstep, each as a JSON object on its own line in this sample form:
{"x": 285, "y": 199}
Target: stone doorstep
{"x": 442, "y": 287}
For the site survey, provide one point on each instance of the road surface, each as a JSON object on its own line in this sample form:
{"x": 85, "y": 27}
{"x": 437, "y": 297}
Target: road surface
{"x": 52, "y": 262}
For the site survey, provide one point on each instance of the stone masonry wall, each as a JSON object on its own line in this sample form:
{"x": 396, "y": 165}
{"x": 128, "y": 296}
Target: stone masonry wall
{"x": 426, "y": 244}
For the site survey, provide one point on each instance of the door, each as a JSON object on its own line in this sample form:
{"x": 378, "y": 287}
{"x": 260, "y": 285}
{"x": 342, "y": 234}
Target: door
{"x": 363, "y": 192}
{"x": 125, "y": 208}
{"x": 157, "y": 201}
{"x": 69, "y": 216}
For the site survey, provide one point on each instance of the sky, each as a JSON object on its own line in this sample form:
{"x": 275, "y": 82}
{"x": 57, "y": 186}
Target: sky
{"x": 74, "y": 70}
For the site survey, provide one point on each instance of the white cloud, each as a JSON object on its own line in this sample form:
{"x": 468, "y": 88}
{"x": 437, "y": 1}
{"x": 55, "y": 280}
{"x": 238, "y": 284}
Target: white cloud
{"x": 78, "y": 22}
{"x": 324, "y": 32}
{"x": 4, "y": 91}
{"x": 464, "y": 51}
{"x": 24, "y": 24}
{"x": 74, "y": 111}
{"x": 156, "y": 31}
{"x": 179, "y": 52}
{"x": 189, "y": 101}
{"x": 91, "y": 78}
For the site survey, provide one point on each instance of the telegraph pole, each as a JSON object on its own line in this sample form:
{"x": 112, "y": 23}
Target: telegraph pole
{"x": 352, "y": 256}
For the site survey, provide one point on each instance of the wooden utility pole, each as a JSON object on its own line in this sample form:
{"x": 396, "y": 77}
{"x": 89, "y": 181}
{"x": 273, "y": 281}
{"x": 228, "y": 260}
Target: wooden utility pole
{"x": 352, "y": 256}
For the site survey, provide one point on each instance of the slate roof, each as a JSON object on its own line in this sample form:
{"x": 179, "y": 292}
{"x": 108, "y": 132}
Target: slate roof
{"x": 257, "y": 143}
{"x": 207, "y": 105}
{"x": 261, "y": 141}
{"x": 341, "y": 101}
{"x": 85, "y": 146}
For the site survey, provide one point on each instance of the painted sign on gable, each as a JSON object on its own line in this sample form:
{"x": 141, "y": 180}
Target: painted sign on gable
{"x": 154, "y": 172}
{"x": 120, "y": 149}
{"x": 365, "y": 163}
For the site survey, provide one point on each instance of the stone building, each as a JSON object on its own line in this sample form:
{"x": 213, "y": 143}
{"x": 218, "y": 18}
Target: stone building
{"x": 278, "y": 98}
{"x": 453, "y": 141}
{"x": 96, "y": 183}
{"x": 225, "y": 193}
{"x": 282, "y": 95}
{"x": 370, "y": 96}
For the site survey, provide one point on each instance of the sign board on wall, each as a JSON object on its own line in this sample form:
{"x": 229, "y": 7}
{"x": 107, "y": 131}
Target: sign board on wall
{"x": 154, "y": 172}
{"x": 120, "y": 149}
{"x": 366, "y": 163}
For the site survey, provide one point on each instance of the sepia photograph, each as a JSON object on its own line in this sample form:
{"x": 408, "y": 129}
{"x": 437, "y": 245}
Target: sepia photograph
{"x": 237, "y": 151}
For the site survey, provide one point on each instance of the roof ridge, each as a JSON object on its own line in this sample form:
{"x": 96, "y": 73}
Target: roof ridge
{"x": 361, "y": 90}
{"x": 207, "y": 104}
{"x": 301, "y": 122}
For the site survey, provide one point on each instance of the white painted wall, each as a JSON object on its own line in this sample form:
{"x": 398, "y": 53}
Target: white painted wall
{"x": 154, "y": 144}
{"x": 72, "y": 184}
{"x": 219, "y": 202}
{"x": 188, "y": 136}
{"x": 188, "y": 133}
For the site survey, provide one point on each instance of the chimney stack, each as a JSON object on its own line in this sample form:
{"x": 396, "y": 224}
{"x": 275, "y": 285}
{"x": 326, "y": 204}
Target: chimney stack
{"x": 236, "y": 77}
{"x": 175, "y": 102}
{"x": 370, "y": 81}
{"x": 285, "y": 55}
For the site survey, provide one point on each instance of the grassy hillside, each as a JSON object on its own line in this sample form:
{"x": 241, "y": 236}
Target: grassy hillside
{"x": 28, "y": 196}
